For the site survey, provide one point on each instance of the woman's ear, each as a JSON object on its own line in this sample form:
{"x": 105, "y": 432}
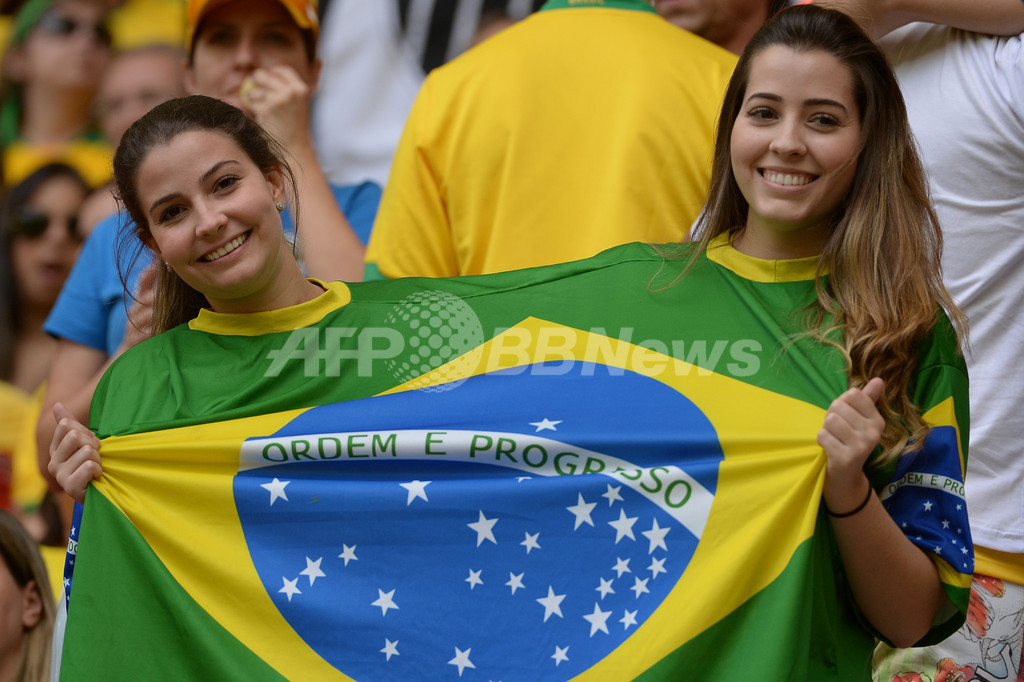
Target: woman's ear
{"x": 276, "y": 183}
{"x": 147, "y": 238}
{"x": 188, "y": 77}
{"x": 31, "y": 605}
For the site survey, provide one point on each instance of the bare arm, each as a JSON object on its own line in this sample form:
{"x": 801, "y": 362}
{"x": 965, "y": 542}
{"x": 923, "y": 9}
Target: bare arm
{"x": 878, "y": 17}
{"x": 895, "y": 583}
{"x": 76, "y": 370}
{"x": 330, "y": 249}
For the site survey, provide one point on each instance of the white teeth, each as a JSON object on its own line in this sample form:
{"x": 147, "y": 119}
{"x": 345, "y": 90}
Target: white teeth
{"x": 786, "y": 178}
{"x": 226, "y": 249}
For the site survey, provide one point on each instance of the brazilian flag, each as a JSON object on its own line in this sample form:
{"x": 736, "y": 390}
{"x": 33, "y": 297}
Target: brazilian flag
{"x": 598, "y": 471}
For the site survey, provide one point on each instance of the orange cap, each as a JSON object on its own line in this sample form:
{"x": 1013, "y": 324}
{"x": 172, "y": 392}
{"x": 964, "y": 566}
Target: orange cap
{"x": 303, "y": 12}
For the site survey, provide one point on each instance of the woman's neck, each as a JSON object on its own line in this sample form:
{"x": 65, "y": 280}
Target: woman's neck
{"x": 289, "y": 290}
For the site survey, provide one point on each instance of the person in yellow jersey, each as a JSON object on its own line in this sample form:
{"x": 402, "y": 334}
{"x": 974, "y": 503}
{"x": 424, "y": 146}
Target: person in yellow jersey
{"x": 586, "y": 125}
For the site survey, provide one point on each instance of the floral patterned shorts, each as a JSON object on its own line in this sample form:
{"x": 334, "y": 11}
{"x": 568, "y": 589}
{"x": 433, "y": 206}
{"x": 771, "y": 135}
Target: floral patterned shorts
{"x": 987, "y": 648}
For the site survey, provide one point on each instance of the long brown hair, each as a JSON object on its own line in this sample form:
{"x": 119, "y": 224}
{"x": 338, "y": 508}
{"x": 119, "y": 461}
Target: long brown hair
{"x": 176, "y": 302}
{"x": 884, "y": 287}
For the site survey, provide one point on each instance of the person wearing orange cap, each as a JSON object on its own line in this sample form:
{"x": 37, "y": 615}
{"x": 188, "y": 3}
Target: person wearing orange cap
{"x": 260, "y": 55}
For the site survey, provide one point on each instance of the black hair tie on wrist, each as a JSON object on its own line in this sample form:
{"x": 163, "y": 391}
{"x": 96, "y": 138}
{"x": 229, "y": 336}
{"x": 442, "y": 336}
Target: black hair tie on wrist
{"x": 850, "y": 513}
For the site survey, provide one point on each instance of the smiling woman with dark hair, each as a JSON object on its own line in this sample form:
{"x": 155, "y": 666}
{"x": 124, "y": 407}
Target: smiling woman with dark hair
{"x": 258, "y": 55}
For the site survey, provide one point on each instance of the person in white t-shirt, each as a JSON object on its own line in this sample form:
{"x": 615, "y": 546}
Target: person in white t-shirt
{"x": 965, "y": 97}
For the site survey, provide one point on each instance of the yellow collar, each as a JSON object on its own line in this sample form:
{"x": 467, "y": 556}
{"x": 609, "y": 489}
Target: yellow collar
{"x": 306, "y": 314}
{"x": 722, "y": 252}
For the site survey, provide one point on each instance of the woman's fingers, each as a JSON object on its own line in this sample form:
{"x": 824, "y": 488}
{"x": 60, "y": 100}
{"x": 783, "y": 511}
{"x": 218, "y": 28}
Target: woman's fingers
{"x": 74, "y": 454}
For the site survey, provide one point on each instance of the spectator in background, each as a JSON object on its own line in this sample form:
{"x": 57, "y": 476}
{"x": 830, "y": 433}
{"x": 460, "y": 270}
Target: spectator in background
{"x": 577, "y": 129}
{"x": 26, "y": 603}
{"x": 376, "y": 54}
{"x": 39, "y": 239}
{"x": 491, "y": 23}
{"x": 728, "y": 23}
{"x": 52, "y": 67}
{"x": 269, "y": 48}
{"x": 133, "y": 83}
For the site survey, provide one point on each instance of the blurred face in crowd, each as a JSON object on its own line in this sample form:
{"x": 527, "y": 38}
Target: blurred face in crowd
{"x": 727, "y": 23}
{"x": 20, "y": 610}
{"x": 45, "y": 240}
{"x": 68, "y": 47}
{"x": 134, "y": 83}
{"x": 238, "y": 37}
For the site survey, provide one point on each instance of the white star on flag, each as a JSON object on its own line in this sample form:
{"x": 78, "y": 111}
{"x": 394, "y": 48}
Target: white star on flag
{"x": 623, "y": 526}
{"x": 581, "y": 510}
{"x": 560, "y": 654}
{"x": 276, "y": 489}
{"x": 657, "y": 537}
{"x": 530, "y": 542}
{"x": 390, "y": 649}
{"x": 483, "y": 529}
{"x": 612, "y": 494}
{"x": 385, "y": 601}
{"x": 545, "y": 425}
{"x": 640, "y": 586}
{"x": 348, "y": 553}
{"x": 628, "y": 618}
{"x": 474, "y": 578}
{"x": 552, "y": 604}
{"x": 928, "y": 505}
{"x": 515, "y": 581}
{"x": 290, "y": 587}
{"x": 461, "y": 660}
{"x": 598, "y": 620}
{"x": 621, "y": 566}
{"x": 313, "y": 570}
{"x": 417, "y": 489}
{"x": 657, "y": 566}
{"x": 945, "y": 524}
{"x": 605, "y": 588}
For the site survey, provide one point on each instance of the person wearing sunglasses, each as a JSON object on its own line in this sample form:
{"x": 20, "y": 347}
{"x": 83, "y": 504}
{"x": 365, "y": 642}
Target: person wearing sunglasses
{"x": 57, "y": 52}
{"x": 40, "y": 240}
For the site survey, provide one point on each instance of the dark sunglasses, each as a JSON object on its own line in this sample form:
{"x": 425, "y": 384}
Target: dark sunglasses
{"x": 31, "y": 224}
{"x": 58, "y": 25}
